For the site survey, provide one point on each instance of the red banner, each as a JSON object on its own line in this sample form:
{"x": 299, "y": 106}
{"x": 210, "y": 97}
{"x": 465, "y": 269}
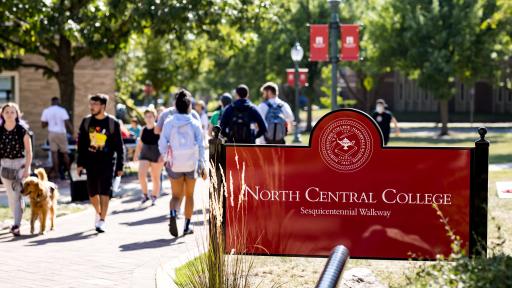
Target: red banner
{"x": 319, "y": 43}
{"x": 346, "y": 188}
{"x": 349, "y": 42}
{"x": 303, "y": 77}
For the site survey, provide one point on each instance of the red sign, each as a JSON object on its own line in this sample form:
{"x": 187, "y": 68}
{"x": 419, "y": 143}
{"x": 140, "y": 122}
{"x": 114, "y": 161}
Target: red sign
{"x": 346, "y": 188}
{"x": 303, "y": 77}
{"x": 319, "y": 43}
{"x": 349, "y": 42}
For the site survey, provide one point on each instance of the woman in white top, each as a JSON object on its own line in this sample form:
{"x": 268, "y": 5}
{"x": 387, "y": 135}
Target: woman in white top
{"x": 182, "y": 141}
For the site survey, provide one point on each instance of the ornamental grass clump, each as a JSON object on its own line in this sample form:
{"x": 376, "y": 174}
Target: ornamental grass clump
{"x": 215, "y": 268}
{"x": 460, "y": 270}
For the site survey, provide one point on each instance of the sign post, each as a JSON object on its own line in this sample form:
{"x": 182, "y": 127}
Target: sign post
{"x": 334, "y": 27}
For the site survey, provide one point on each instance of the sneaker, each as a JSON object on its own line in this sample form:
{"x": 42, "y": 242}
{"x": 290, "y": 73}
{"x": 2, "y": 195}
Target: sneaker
{"x": 96, "y": 219}
{"x": 173, "y": 227}
{"x": 144, "y": 199}
{"x": 100, "y": 228}
{"x": 15, "y": 230}
{"x": 153, "y": 200}
{"x": 188, "y": 231}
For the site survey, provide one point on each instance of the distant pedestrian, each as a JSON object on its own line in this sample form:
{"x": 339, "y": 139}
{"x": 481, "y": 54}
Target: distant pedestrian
{"x": 16, "y": 159}
{"x": 134, "y": 128}
{"x": 277, "y": 114}
{"x": 225, "y": 101}
{"x": 99, "y": 139}
{"x": 163, "y": 116}
{"x": 200, "y": 108}
{"x": 384, "y": 117}
{"x": 149, "y": 157}
{"x": 241, "y": 121}
{"x": 56, "y": 118}
{"x": 182, "y": 141}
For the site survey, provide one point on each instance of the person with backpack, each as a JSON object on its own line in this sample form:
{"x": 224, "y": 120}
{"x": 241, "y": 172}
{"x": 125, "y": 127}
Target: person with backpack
{"x": 181, "y": 141}
{"x": 225, "y": 100}
{"x": 148, "y": 156}
{"x": 241, "y": 122}
{"x": 99, "y": 139}
{"x": 16, "y": 159}
{"x": 277, "y": 114}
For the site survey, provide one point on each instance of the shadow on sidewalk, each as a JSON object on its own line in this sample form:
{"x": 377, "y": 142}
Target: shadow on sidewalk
{"x": 149, "y": 244}
{"x": 197, "y": 223}
{"x": 68, "y": 238}
{"x": 131, "y": 210}
{"x": 8, "y": 237}
{"x": 154, "y": 220}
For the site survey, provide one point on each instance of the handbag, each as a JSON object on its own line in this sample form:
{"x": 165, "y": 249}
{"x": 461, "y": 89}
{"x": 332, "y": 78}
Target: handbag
{"x": 9, "y": 173}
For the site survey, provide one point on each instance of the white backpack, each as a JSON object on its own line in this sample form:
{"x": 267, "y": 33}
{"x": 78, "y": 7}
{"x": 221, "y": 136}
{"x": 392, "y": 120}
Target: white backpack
{"x": 184, "y": 149}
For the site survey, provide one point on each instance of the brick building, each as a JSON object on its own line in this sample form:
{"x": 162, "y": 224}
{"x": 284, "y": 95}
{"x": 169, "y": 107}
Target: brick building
{"x": 32, "y": 92}
{"x": 404, "y": 95}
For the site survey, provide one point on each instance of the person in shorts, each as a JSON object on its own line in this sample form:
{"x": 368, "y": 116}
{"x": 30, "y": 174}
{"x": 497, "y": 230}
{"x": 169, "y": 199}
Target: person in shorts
{"x": 56, "y": 118}
{"x": 99, "y": 139}
{"x": 182, "y": 142}
{"x": 149, "y": 157}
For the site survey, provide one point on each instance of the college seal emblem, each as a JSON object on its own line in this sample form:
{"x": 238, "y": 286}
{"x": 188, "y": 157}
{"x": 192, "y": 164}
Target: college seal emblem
{"x": 346, "y": 145}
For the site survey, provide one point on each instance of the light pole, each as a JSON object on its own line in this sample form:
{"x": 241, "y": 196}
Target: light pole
{"x": 297, "y": 53}
{"x": 334, "y": 35}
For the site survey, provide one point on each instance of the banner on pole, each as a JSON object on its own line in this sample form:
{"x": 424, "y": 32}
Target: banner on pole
{"x": 349, "y": 42}
{"x": 303, "y": 77}
{"x": 319, "y": 43}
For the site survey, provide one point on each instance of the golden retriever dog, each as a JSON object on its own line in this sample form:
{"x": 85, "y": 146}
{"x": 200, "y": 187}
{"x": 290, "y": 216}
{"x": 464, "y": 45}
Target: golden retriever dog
{"x": 43, "y": 199}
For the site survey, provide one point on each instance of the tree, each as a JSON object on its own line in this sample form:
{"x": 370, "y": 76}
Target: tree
{"x": 370, "y": 70}
{"x": 62, "y": 33}
{"x": 65, "y": 31}
{"x": 263, "y": 53}
{"x": 439, "y": 42}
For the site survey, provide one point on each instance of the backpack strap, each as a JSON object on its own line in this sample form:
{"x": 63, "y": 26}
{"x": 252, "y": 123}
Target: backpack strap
{"x": 111, "y": 123}
{"x": 87, "y": 122}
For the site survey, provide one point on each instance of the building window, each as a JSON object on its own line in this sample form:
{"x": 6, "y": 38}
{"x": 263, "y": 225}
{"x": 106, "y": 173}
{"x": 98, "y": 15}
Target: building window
{"x": 7, "y": 89}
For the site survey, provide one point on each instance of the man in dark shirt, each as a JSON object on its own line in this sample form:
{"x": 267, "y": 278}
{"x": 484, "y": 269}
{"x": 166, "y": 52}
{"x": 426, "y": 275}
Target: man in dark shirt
{"x": 98, "y": 140}
{"x": 384, "y": 118}
{"x": 241, "y": 122}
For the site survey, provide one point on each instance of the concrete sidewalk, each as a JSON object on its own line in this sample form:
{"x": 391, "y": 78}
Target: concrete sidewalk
{"x": 136, "y": 244}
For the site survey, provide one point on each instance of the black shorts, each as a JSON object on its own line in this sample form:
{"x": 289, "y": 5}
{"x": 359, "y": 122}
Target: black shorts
{"x": 99, "y": 180}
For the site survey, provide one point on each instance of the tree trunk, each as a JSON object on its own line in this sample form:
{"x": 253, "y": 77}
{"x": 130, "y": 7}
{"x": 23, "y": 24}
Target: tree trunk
{"x": 443, "y": 105}
{"x": 66, "y": 76}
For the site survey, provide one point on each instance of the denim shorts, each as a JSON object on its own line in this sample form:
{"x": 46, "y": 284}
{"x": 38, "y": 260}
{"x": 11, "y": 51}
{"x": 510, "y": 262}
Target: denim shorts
{"x": 178, "y": 175}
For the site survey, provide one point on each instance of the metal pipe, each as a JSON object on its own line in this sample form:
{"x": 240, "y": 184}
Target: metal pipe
{"x": 296, "y": 137}
{"x": 334, "y": 268}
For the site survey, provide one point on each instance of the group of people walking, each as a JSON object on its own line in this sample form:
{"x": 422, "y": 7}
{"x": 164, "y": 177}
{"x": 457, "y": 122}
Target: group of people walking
{"x": 173, "y": 139}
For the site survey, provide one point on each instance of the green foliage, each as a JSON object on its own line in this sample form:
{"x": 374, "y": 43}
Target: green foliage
{"x": 64, "y": 32}
{"x": 438, "y": 42}
{"x": 459, "y": 270}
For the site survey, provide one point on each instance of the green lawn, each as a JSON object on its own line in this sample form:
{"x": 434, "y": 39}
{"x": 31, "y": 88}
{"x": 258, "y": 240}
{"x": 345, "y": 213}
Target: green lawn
{"x": 500, "y": 150}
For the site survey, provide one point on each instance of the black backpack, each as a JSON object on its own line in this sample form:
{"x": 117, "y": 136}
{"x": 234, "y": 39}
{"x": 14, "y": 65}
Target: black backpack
{"x": 240, "y": 128}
